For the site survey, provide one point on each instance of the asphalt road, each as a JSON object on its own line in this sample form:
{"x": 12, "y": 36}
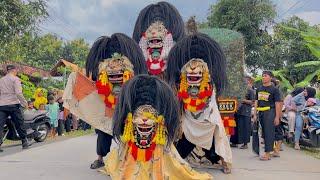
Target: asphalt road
{"x": 70, "y": 159}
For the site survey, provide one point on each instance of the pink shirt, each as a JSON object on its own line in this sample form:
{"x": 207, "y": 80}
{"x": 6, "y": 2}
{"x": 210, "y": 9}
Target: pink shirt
{"x": 289, "y": 103}
{"x": 11, "y": 91}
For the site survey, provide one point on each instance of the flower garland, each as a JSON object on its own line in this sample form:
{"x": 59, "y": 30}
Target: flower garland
{"x": 158, "y": 139}
{"x": 205, "y": 92}
{"x": 128, "y": 129}
{"x": 105, "y": 87}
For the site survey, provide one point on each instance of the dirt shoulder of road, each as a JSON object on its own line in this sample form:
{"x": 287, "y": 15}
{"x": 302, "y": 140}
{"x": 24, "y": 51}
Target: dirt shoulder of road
{"x": 67, "y": 135}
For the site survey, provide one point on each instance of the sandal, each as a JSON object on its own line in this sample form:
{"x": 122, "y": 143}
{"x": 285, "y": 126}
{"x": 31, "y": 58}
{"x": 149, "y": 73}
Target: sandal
{"x": 265, "y": 158}
{"x": 244, "y": 147}
{"x": 233, "y": 145}
{"x": 275, "y": 154}
{"x": 97, "y": 164}
{"x": 226, "y": 168}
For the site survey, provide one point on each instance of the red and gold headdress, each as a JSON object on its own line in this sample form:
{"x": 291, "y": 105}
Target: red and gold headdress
{"x": 115, "y": 70}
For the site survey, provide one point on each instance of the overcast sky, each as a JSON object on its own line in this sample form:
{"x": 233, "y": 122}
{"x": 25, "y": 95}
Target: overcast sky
{"x": 89, "y": 19}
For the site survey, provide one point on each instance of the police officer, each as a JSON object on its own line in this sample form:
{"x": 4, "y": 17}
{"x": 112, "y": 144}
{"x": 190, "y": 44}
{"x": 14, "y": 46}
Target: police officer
{"x": 11, "y": 100}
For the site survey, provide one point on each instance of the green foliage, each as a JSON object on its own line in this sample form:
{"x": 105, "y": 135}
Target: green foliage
{"x": 223, "y": 36}
{"x": 51, "y": 83}
{"x": 28, "y": 88}
{"x": 18, "y": 17}
{"x": 307, "y": 63}
{"x": 232, "y": 44}
{"x": 76, "y": 51}
{"x": 44, "y": 51}
{"x": 249, "y": 18}
{"x": 34, "y": 50}
{"x": 64, "y": 70}
{"x": 285, "y": 85}
{"x": 308, "y": 79}
{"x": 36, "y": 74}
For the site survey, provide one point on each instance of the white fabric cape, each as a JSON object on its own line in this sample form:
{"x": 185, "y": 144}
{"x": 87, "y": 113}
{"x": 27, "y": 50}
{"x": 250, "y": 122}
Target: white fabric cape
{"x": 202, "y": 130}
{"x": 90, "y": 109}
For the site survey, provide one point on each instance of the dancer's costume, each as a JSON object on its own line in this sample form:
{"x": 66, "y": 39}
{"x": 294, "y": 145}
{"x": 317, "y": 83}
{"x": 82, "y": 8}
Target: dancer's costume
{"x": 145, "y": 125}
{"x": 196, "y": 68}
{"x": 110, "y": 63}
{"x": 158, "y": 27}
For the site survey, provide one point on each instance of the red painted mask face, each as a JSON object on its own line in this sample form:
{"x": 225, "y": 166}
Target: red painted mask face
{"x": 195, "y": 89}
{"x": 156, "y": 43}
{"x": 113, "y": 72}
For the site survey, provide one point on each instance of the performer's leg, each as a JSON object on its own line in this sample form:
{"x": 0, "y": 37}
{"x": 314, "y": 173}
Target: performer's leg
{"x": 184, "y": 147}
{"x": 60, "y": 127}
{"x": 268, "y": 130}
{"x": 68, "y": 123}
{"x": 235, "y": 139}
{"x": 241, "y": 128}
{"x": 213, "y": 157}
{"x": 278, "y": 141}
{"x": 211, "y": 154}
{"x": 298, "y": 130}
{"x": 246, "y": 130}
{"x": 104, "y": 144}
{"x": 103, "y": 147}
{"x": 3, "y": 118}
{"x": 291, "y": 122}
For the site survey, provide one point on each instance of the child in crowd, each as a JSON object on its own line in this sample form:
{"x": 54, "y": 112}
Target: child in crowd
{"x": 311, "y": 102}
{"x": 39, "y": 98}
{"x": 61, "y": 117}
{"x": 30, "y": 106}
{"x": 42, "y": 107}
{"x": 53, "y": 112}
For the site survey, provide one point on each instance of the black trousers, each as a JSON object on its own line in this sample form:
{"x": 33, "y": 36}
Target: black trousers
{"x": 244, "y": 130}
{"x": 266, "y": 119}
{"x": 185, "y": 147}
{"x": 103, "y": 143}
{"x": 67, "y": 124}
{"x": 15, "y": 112}
{"x": 278, "y": 133}
{"x": 60, "y": 126}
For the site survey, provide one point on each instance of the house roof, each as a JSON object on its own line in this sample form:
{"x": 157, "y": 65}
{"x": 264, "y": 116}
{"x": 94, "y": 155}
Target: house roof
{"x": 24, "y": 68}
{"x": 64, "y": 63}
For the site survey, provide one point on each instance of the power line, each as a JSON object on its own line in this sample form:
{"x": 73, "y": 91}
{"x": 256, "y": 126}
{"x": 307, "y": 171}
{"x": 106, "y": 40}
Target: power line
{"x": 62, "y": 20}
{"x": 61, "y": 27}
{"x": 291, "y": 7}
{"x": 48, "y": 30}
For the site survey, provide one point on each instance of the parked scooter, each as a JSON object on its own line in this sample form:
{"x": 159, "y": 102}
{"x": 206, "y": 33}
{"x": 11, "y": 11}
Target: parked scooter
{"x": 311, "y": 133}
{"x": 285, "y": 127}
{"x": 37, "y": 125}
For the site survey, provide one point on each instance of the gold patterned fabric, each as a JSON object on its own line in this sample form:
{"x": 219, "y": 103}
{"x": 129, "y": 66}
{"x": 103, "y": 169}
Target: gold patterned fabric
{"x": 166, "y": 163}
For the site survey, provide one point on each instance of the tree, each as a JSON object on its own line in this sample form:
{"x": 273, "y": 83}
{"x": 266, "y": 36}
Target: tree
{"x": 18, "y": 17}
{"x": 300, "y": 72}
{"x": 28, "y": 88}
{"x": 76, "y": 51}
{"x": 251, "y": 18}
{"x": 298, "y": 42}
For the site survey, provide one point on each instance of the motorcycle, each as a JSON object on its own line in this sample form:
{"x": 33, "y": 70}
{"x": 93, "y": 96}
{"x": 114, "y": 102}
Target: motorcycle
{"x": 285, "y": 127}
{"x": 37, "y": 125}
{"x": 311, "y": 132}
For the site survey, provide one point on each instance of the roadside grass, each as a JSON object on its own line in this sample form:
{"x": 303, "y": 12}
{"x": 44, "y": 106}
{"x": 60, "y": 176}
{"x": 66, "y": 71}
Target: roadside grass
{"x": 68, "y": 135}
{"x": 314, "y": 152}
